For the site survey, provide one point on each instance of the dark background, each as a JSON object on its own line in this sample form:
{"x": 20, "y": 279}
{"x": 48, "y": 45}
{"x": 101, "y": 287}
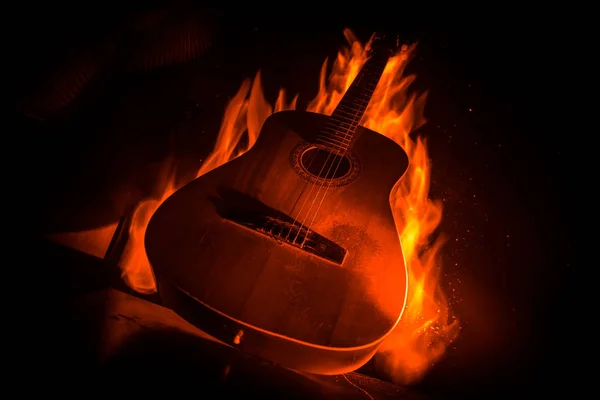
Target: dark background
{"x": 502, "y": 168}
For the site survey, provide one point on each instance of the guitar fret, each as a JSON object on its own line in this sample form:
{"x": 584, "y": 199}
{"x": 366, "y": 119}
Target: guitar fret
{"x": 367, "y": 86}
{"x": 354, "y": 104}
{"x": 341, "y": 117}
{"x": 332, "y": 146}
{"x": 335, "y": 122}
{"x": 351, "y": 109}
{"x": 357, "y": 98}
{"x": 345, "y": 126}
{"x": 345, "y": 139}
{"x": 337, "y": 126}
{"x": 339, "y": 134}
{"x": 333, "y": 142}
{"x": 338, "y": 111}
{"x": 359, "y": 103}
{"x": 343, "y": 108}
{"x": 348, "y": 114}
{"x": 364, "y": 92}
{"x": 337, "y": 129}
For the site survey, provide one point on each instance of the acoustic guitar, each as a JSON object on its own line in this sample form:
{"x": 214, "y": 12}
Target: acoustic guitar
{"x": 290, "y": 252}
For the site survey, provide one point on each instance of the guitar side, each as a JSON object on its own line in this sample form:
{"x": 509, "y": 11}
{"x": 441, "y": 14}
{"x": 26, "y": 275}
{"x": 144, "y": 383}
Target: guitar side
{"x": 271, "y": 299}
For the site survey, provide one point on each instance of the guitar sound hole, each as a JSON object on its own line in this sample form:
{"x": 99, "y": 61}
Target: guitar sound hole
{"x": 325, "y": 165}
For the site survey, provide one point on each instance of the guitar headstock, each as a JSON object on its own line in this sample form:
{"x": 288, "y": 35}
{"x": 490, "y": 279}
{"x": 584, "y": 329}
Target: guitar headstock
{"x": 384, "y": 43}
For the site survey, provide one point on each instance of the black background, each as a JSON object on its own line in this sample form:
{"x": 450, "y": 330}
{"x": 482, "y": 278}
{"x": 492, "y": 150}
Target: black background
{"x": 502, "y": 168}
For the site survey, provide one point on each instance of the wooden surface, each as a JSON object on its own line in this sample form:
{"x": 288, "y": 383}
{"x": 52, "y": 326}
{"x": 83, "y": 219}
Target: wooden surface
{"x": 85, "y": 333}
{"x": 143, "y": 347}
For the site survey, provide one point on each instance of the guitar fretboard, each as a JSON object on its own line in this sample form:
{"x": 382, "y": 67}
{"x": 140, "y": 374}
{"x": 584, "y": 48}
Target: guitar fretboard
{"x": 338, "y": 132}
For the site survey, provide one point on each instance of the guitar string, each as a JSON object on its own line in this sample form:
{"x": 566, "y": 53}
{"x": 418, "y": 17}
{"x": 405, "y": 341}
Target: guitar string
{"x": 329, "y": 184}
{"x": 310, "y": 163}
{"x": 340, "y": 162}
{"x": 337, "y": 148}
{"x": 345, "y": 136}
{"x": 296, "y": 219}
{"x": 328, "y": 125}
{"x": 302, "y": 192}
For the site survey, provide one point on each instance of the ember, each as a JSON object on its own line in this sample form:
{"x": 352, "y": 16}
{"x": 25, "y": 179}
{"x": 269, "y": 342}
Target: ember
{"x": 427, "y": 327}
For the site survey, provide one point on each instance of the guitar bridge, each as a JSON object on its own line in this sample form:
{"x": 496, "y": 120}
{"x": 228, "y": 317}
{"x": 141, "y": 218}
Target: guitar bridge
{"x": 285, "y": 230}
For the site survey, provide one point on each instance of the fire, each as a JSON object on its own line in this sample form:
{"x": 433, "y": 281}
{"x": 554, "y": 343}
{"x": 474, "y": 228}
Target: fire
{"x": 245, "y": 113}
{"x": 136, "y": 270}
{"x": 427, "y": 328}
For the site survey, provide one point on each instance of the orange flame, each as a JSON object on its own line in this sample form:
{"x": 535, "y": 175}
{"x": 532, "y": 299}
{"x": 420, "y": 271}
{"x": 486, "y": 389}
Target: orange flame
{"x": 244, "y": 114}
{"x": 427, "y": 327}
{"x": 135, "y": 267}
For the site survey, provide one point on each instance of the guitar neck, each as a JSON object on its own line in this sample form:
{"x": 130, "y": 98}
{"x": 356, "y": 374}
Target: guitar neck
{"x": 346, "y": 117}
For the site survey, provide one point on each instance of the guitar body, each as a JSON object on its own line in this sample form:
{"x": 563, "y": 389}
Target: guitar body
{"x": 324, "y": 307}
